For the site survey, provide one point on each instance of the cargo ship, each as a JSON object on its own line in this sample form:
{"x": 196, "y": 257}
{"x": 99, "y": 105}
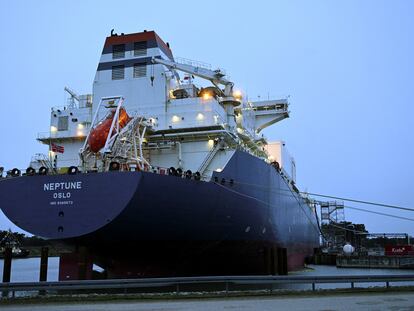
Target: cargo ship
{"x": 155, "y": 175}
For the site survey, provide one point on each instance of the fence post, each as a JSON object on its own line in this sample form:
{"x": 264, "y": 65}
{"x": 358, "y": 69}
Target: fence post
{"x": 282, "y": 261}
{"x": 7, "y": 264}
{"x": 7, "y": 268}
{"x": 273, "y": 260}
{"x": 43, "y": 264}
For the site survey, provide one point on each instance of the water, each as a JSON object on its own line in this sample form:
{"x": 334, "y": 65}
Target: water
{"x": 28, "y": 269}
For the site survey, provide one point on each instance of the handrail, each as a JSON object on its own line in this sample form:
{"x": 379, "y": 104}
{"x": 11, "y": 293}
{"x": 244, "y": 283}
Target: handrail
{"x": 176, "y": 281}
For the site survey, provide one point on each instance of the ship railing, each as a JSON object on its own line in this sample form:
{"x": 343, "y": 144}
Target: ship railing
{"x": 191, "y": 62}
{"x": 216, "y": 285}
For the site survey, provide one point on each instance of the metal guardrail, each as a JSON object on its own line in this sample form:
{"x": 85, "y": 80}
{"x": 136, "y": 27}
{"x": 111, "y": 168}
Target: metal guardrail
{"x": 225, "y": 281}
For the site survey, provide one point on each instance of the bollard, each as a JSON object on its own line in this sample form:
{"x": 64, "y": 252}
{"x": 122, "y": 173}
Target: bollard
{"x": 43, "y": 264}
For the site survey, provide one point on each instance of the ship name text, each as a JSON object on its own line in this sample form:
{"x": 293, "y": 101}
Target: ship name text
{"x": 53, "y": 186}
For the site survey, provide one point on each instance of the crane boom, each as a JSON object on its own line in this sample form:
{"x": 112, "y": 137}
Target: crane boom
{"x": 72, "y": 93}
{"x": 214, "y": 76}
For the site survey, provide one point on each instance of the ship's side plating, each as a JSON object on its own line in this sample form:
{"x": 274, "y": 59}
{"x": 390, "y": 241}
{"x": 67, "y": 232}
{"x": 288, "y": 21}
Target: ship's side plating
{"x": 180, "y": 227}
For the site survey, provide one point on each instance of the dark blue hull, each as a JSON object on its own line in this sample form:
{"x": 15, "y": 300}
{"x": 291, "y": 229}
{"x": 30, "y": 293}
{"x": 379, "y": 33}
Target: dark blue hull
{"x": 146, "y": 224}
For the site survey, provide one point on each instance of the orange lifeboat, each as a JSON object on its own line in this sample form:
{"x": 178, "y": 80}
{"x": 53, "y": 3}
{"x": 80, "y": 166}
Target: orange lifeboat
{"x": 99, "y": 133}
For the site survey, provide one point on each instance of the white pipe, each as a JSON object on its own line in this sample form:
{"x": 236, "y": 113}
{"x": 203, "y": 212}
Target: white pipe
{"x": 180, "y": 161}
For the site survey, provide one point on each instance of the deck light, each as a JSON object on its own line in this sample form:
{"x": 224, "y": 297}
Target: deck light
{"x": 237, "y": 94}
{"x": 206, "y": 96}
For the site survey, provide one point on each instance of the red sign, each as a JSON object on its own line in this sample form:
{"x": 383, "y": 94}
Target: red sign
{"x": 398, "y": 250}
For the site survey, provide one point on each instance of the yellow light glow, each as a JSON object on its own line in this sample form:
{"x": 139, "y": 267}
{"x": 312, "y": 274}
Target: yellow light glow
{"x": 80, "y": 126}
{"x": 53, "y": 129}
{"x": 200, "y": 116}
{"x": 175, "y": 118}
{"x": 206, "y": 96}
{"x": 237, "y": 94}
{"x": 79, "y": 133}
{"x": 210, "y": 143}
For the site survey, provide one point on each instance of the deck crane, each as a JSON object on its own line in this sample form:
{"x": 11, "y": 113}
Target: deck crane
{"x": 73, "y": 97}
{"x": 216, "y": 77}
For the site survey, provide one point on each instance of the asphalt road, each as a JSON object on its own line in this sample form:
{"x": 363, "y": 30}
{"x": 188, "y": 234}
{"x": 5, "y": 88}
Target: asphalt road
{"x": 372, "y": 301}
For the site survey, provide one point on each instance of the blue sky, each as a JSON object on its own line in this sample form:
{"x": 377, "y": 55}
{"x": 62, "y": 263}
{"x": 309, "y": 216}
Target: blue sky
{"x": 347, "y": 65}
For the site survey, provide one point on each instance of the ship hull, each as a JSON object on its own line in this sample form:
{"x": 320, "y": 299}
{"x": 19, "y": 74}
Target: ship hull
{"x": 138, "y": 224}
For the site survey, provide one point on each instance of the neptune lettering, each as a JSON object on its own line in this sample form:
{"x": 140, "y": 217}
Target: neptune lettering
{"x": 53, "y": 186}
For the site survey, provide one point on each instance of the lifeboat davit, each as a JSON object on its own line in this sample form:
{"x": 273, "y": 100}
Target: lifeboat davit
{"x": 97, "y": 137}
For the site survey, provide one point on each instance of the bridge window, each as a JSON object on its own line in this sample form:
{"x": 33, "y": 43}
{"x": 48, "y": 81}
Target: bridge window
{"x": 140, "y": 48}
{"x": 118, "y": 51}
{"x": 63, "y": 123}
{"x": 140, "y": 70}
{"x": 118, "y": 72}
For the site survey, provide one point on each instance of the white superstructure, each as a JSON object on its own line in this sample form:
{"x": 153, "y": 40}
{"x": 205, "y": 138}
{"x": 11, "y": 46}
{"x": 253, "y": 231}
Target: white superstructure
{"x": 175, "y": 123}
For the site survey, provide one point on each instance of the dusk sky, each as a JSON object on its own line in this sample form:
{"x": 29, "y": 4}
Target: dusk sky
{"x": 348, "y": 67}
